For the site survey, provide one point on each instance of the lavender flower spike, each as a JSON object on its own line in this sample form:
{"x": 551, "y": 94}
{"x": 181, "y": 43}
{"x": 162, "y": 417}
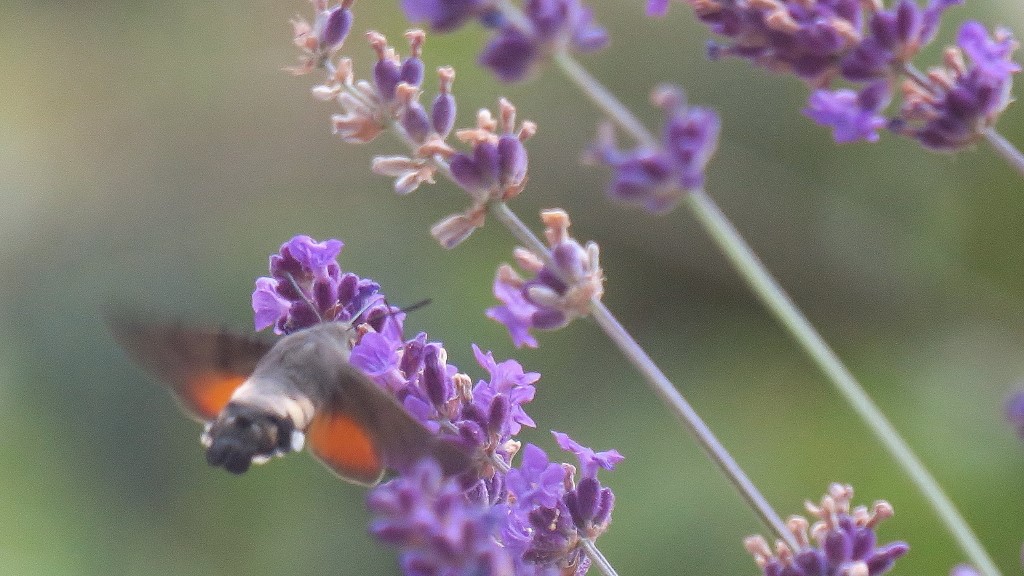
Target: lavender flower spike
{"x": 495, "y": 171}
{"x": 321, "y": 39}
{"x": 555, "y": 294}
{"x": 844, "y": 541}
{"x": 550, "y": 25}
{"x": 656, "y": 178}
{"x": 439, "y": 530}
{"x": 306, "y": 286}
{"x": 964, "y": 99}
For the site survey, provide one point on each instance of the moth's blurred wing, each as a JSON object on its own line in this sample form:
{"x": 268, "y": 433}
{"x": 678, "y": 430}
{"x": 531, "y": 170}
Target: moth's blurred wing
{"x": 202, "y": 367}
{"x": 362, "y": 430}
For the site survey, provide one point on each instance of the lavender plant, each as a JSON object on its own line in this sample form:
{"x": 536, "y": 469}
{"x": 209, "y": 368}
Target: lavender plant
{"x": 550, "y": 518}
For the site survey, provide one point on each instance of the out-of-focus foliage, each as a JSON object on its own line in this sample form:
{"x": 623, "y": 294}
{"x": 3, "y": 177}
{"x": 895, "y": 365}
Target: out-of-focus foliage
{"x": 155, "y": 154}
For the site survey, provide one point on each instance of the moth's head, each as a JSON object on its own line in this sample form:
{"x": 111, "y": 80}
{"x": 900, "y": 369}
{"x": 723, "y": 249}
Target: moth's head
{"x": 243, "y": 435}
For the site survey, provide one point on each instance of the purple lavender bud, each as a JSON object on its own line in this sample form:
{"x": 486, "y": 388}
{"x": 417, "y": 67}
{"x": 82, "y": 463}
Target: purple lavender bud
{"x": 442, "y": 114}
{"x": 548, "y": 319}
{"x": 963, "y": 570}
{"x": 387, "y": 75}
{"x": 909, "y": 21}
{"x": 435, "y": 382}
{"x": 512, "y": 160}
{"x": 377, "y": 356}
{"x": 348, "y": 286}
{"x": 499, "y": 414}
{"x": 336, "y": 27}
{"x": 884, "y": 558}
{"x": 412, "y": 356}
{"x": 547, "y": 16}
{"x": 477, "y": 174}
{"x": 885, "y": 29}
{"x": 412, "y": 71}
{"x": 838, "y": 547}
{"x": 604, "y": 508}
{"x": 583, "y": 502}
{"x": 510, "y": 55}
{"x": 415, "y": 122}
{"x": 811, "y": 562}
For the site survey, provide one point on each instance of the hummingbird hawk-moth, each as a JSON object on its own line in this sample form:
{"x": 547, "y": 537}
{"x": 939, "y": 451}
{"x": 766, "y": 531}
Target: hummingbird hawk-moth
{"x": 260, "y": 399}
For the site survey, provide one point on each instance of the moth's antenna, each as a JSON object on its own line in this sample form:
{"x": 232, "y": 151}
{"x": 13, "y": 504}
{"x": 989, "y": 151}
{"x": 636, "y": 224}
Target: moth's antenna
{"x": 295, "y": 285}
{"x": 415, "y": 305}
{"x": 409, "y": 308}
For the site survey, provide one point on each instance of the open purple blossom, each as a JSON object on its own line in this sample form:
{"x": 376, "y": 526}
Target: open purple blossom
{"x": 557, "y": 292}
{"x": 306, "y": 287}
{"x": 963, "y": 570}
{"x": 657, "y": 178}
{"x": 844, "y": 541}
{"x": 549, "y": 513}
{"x": 549, "y": 25}
{"x": 438, "y": 530}
{"x": 963, "y": 100}
{"x": 590, "y": 461}
{"x": 852, "y": 115}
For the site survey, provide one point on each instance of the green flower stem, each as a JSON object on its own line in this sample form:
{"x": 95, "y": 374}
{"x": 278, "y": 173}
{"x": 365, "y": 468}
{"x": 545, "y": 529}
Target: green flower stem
{"x": 598, "y": 558}
{"x": 1005, "y": 149}
{"x": 786, "y": 312}
{"x": 775, "y": 299}
{"x": 662, "y": 386}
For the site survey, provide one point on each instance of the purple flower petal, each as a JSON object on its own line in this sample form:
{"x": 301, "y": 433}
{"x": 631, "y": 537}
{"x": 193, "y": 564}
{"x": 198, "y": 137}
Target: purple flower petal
{"x": 590, "y": 461}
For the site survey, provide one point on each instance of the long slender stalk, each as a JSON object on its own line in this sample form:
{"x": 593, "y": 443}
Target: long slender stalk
{"x": 1005, "y": 149}
{"x": 775, "y": 299}
{"x": 598, "y": 558}
{"x": 663, "y": 387}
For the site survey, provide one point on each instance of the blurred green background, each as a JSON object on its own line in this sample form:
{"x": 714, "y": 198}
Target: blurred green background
{"x": 154, "y": 153}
